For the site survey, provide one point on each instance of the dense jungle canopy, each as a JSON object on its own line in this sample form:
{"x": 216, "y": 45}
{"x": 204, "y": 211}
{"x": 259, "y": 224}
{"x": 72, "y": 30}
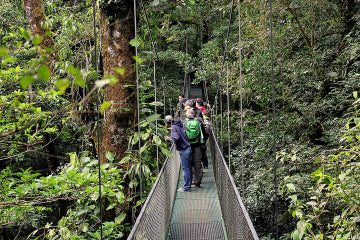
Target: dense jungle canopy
{"x": 69, "y": 98}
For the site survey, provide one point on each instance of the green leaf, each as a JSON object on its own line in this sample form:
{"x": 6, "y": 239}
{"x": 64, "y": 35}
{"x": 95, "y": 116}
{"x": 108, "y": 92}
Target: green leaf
{"x": 143, "y": 148}
{"x": 80, "y": 82}
{"x": 43, "y": 73}
{"x": 120, "y": 71}
{"x": 4, "y": 51}
{"x": 166, "y": 152}
{"x": 26, "y": 81}
{"x": 37, "y": 40}
{"x": 119, "y": 219}
{"x": 155, "y": 3}
{"x": 153, "y": 117}
{"x": 357, "y": 121}
{"x": 109, "y": 156}
{"x": 355, "y": 94}
{"x": 104, "y": 106}
{"x": 136, "y": 42}
{"x": 135, "y": 138}
{"x": 291, "y": 187}
{"x": 157, "y": 140}
{"x": 120, "y": 197}
{"x": 9, "y": 60}
{"x": 85, "y": 227}
{"x": 62, "y": 84}
{"x": 145, "y": 136}
{"x": 157, "y": 104}
{"x": 138, "y": 59}
{"x": 342, "y": 177}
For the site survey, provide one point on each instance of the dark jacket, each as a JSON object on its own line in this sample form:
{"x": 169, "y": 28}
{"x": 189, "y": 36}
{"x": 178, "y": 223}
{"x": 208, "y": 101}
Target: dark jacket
{"x": 178, "y": 135}
{"x": 198, "y": 113}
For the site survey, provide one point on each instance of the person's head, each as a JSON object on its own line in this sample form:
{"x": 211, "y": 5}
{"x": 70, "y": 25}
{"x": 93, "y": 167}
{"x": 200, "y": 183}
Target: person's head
{"x": 181, "y": 97}
{"x": 168, "y": 120}
{"x": 189, "y": 113}
{"x": 189, "y": 103}
{"x": 199, "y": 102}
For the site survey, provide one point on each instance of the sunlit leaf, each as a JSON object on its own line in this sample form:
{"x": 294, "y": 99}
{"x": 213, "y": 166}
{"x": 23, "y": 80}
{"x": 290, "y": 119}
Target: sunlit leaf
{"x": 138, "y": 59}
{"x": 136, "y": 42}
{"x": 143, "y": 148}
{"x": 62, "y": 84}
{"x": 104, "y": 106}
{"x": 157, "y": 104}
{"x": 37, "y": 40}
{"x": 43, "y": 73}
{"x": 109, "y": 156}
{"x": 166, "y": 152}
{"x": 26, "y": 81}
{"x": 9, "y": 60}
{"x": 80, "y": 82}
{"x": 120, "y": 71}
{"x": 4, "y": 51}
{"x": 120, "y": 218}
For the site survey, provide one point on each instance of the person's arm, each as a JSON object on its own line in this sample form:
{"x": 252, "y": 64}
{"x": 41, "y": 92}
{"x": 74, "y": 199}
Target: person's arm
{"x": 174, "y": 135}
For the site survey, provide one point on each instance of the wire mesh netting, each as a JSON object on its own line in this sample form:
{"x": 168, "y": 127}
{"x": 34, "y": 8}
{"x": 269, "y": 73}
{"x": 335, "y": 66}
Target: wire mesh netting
{"x": 154, "y": 218}
{"x": 236, "y": 219}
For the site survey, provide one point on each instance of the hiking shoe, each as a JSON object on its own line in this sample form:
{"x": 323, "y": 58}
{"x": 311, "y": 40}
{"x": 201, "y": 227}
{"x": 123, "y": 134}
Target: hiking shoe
{"x": 183, "y": 190}
{"x": 197, "y": 186}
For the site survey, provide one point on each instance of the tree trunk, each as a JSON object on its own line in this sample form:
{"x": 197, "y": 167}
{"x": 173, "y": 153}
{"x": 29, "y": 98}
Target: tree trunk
{"x": 36, "y": 18}
{"x": 117, "y": 29}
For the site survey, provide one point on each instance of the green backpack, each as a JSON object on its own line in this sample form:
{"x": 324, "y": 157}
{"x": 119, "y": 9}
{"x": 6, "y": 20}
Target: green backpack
{"x": 192, "y": 130}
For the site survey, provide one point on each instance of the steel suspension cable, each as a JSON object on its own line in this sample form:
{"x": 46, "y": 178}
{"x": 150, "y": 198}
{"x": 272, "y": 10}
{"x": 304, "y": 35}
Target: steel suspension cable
{"x": 138, "y": 97}
{"x": 241, "y": 107}
{"x": 273, "y": 122}
{"x": 148, "y": 28}
{"x": 220, "y": 77}
{"x": 226, "y": 43}
{"x": 156, "y": 119}
{"x": 97, "y": 118}
{"x": 228, "y": 112}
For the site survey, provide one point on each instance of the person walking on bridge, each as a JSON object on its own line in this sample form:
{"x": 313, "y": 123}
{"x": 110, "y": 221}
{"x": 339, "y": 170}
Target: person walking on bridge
{"x": 183, "y": 146}
{"x": 195, "y": 136}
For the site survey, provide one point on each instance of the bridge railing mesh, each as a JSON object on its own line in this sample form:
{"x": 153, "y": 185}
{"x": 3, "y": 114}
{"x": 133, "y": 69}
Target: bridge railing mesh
{"x": 154, "y": 218}
{"x": 236, "y": 219}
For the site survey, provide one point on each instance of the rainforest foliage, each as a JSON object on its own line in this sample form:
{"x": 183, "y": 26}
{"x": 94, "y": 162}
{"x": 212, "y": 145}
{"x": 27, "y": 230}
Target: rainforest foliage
{"x": 56, "y": 82}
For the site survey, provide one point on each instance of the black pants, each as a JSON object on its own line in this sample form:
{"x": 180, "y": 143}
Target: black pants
{"x": 204, "y": 157}
{"x": 196, "y": 164}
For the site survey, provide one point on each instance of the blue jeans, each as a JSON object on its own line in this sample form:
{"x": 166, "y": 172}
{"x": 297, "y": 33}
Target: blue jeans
{"x": 185, "y": 158}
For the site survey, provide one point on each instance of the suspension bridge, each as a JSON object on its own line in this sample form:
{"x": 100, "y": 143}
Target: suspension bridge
{"x": 214, "y": 211}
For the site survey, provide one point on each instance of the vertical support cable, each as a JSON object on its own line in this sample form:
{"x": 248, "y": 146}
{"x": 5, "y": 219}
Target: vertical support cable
{"x": 138, "y": 97}
{"x": 228, "y": 111}
{"x": 241, "y": 107}
{"x": 186, "y": 75}
{"x": 273, "y": 123}
{"x": 98, "y": 118}
{"x": 221, "y": 123}
{"x": 156, "y": 119}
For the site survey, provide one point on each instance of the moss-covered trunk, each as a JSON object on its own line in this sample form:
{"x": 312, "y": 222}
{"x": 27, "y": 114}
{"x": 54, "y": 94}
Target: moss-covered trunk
{"x": 117, "y": 29}
{"x": 35, "y": 14}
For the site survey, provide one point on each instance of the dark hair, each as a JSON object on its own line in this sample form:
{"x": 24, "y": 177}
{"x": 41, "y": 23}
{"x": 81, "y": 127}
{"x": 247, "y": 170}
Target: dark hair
{"x": 207, "y": 113}
{"x": 200, "y": 102}
{"x": 182, "y": 95}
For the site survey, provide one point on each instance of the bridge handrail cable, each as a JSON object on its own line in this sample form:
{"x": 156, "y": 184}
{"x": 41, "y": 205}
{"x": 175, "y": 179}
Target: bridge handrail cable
{"x": 236, "y": 218}
{"x": 155, "y": 215}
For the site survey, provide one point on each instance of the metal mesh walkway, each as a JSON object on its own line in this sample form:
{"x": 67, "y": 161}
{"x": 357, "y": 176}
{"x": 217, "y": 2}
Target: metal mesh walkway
{"x": 214, "y": 211}
{"x": 197, "y": 214}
